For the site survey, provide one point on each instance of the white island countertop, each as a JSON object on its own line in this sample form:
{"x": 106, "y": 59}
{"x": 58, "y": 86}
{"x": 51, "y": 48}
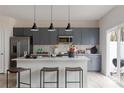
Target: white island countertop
{"x": 61, "y": 62}
{"x": 53, "y": 58}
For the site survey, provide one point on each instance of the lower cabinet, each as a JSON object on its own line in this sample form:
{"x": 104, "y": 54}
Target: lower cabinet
{"x": 94, "y": 65}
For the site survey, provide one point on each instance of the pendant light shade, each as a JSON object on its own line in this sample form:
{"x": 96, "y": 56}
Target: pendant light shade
{"x": 51, "y": 27}
{"x": 68, "y": 28}
{"x": 34, "y": 27}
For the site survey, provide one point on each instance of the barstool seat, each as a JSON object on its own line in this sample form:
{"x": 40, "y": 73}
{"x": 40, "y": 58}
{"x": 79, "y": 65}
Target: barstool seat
{"x": 15, "y": 70}
{"x": 73, "y": 69}
{"x": 49, "y": 69}
{"x": 19, "y": 70}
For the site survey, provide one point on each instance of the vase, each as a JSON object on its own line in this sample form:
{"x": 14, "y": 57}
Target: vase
{"x": 71, "y": 54}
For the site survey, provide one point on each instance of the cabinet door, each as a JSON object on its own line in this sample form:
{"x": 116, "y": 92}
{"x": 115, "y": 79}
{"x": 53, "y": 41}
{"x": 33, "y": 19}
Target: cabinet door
{"x": 77, "y": 37}
{"x": 85, "y": 36}
{"x": 90, "y": 63}
{"x": 53, "y": 37}
{"x": 94, "y": 36}
{"x": 90, "y": 36}
{"x": 44, "y": 37}
{"x": 2, "y": 40}
{"x": 95, "y": 63}
{"x": 34, "y": 34}
{"x": 27, "y": 32}
{"x": 18, "y": 31}
{"x": 63, "y": 32}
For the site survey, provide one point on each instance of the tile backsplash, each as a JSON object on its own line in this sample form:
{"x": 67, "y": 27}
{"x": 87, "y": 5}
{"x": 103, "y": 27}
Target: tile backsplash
{"x": 61, "y": 47}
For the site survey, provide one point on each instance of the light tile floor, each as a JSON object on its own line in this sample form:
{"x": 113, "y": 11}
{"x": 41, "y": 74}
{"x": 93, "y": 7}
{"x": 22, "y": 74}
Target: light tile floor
{"x": 95, "y": 80}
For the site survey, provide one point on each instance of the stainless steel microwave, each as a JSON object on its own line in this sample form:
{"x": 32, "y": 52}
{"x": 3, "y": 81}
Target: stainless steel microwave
{"x": 65, "y": 39}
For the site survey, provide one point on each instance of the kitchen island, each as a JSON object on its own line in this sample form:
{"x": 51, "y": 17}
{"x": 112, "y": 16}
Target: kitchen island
{"x": 61, "y": 62}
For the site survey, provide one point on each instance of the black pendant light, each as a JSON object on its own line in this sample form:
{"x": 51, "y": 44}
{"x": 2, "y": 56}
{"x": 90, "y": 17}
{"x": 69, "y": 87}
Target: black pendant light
{"x": 68, "y": 28}
{"x": 51, "y": 27}
{"x": 34, "y": 27}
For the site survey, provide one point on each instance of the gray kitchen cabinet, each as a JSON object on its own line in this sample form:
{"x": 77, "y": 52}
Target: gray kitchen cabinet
{"x": 53, "y": 37}
{"x": 62, "y": 32}
{"x": 90, "y": 36}
{"x": 95, "y": 63}
{"x": 77, "y": 37}
{"x": 81, "y": 36}
{"x": 27, "y": 32}
{"x": 34, "y": 34}
{"x": 85, "y": 36}
{"x": 18, "y": 31}
{"x": 44, "y": 37}
{"x": 94, "y": 36}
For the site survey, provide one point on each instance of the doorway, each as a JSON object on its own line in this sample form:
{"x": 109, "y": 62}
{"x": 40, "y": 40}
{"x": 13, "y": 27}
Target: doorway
{"x": 2, "y": 65}
{"x": 115, "y": 52}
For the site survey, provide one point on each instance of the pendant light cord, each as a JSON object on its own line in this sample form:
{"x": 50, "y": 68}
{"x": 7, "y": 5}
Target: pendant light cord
{"x": 34, "y": 13}
{"x": 68, "y": 13}
{"x": 51, "y": 13}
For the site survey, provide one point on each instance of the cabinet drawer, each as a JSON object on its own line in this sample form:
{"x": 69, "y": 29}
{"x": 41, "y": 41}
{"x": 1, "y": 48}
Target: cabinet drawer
{"x": 95, "y": 63}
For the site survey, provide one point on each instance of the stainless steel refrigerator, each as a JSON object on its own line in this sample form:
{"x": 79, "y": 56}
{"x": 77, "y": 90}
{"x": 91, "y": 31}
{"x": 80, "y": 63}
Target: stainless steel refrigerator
{"x": 19, "y": 45}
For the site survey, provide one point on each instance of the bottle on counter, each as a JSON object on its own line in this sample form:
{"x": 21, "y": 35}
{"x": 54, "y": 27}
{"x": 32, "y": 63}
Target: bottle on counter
{"x": 25, "y": 53}
{"x": 39, "y": 50}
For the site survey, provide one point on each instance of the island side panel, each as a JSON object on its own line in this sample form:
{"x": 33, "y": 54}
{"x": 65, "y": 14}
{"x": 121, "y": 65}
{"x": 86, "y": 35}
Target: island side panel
{"x": 37, "y": 65}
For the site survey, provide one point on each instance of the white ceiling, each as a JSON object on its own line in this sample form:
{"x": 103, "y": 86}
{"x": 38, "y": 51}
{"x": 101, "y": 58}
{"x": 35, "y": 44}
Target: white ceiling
{"x": 60, "y": 12}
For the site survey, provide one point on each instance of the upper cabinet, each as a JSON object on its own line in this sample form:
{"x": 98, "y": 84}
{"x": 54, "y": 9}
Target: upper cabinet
{"x": 86, "y": 36}
{"x": 18, "y": 31}
{"x": 81, "y": 36}
{"x": 35, "y": 35}
{"x": 94, "y": 34}
{"x": 62, "y": 32}
{"x": 53, "y": 37}
{"x": 90, "y": 36}
{"x": 44, "y": 38}
{"x": 77, "y": 36}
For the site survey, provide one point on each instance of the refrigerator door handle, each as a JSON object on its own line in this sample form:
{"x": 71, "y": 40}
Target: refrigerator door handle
{"x": 18, "y": 49}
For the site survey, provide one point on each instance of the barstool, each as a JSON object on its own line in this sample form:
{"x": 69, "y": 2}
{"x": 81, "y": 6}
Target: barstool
{"x": 49, "y": 69}
{"x": 18, "y": 71}
{"x": 73, "y": 69}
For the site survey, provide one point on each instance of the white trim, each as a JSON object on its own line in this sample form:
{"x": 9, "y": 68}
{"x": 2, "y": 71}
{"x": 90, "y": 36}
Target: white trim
{"x": 118, "y": 52}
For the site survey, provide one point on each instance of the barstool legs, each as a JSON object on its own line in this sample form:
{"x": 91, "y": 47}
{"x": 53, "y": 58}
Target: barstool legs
{"x": 16, "y": 70}
{"x": 43, "y": 79}
{"x": 42, "y": 76}
{"x": 30, "y": 77}
{"x": 18, "y": 79}
{"x": 65, "y": 79}
{"x": 57, "y": 79}
{"x": 80, "y": 79}
{"x": 7, "y": 80}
